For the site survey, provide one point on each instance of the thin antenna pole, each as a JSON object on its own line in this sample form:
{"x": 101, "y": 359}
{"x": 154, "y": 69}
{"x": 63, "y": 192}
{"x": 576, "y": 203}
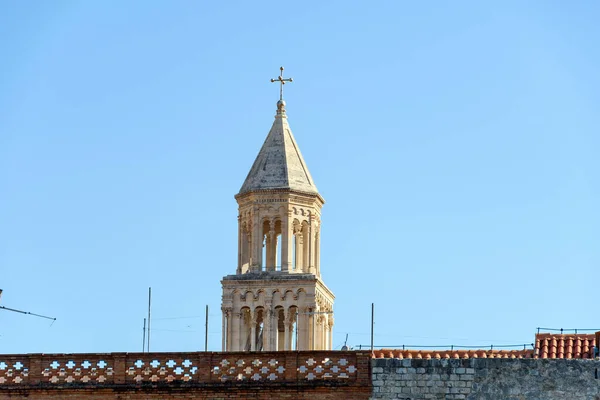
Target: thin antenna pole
{"x": 144, "y": 340}
{"x": 372, "y": 323}
{"x": 149, "y": 304}
{"x": 206, "y": 331}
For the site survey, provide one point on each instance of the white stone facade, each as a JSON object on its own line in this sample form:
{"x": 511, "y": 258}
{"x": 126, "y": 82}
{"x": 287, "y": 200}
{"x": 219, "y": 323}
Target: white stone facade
{"x": 273, "y": 311}
{"x": 277, "y": 300}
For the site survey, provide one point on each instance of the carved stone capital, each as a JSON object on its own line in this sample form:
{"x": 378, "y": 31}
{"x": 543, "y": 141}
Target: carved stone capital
{"x": 227, "y": 310}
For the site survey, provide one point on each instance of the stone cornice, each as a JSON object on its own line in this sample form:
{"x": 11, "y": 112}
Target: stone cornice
{"x": 240, "y": 197}
{"x": 259, "y": 279}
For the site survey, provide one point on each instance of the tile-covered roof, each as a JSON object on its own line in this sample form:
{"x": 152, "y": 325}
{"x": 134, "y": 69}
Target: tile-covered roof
{"x": 551, "y": 345}
{"x": 279, "y": 164}
{"x": 547, "y": 345}
{"x": 447, "y": 354}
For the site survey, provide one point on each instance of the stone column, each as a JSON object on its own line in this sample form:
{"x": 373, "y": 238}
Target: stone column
{"x": 273, "y": 331}
{"x": 236, "y": 326}
{"x": 251, "y": 241}
{"x": 240, "y": 247}
{"x": 253, "y": 315}
{"x": 320, "y": 332}
{"x": 306, "y": 248}
{"x": 291, "y": 334}
{"x": 312, "y": 250}
{"x": 286, "y": 327}
{"x": 272, "y": 248}
{"x": 286, "y": 240}
{"x": 267, "y": 250}
{"x": 267, "y": 328}
{"x": 325, "y": 332}
{"x": 298, "y": 331}
{"x": 293, "y": 318}
{"x": 317, "y": 252}
{"x": 223, "y": 329}
{"x": 330, "y": 332}
{"x": 304, "y": 329}
{"x": 299, "y": 249}
{"x": 317, "y": 332}
{"x": 257, "y": 242}
{"x": 313, "y": 329}
{"x": 229, "y": 342}
{"x": 248, "y": 250}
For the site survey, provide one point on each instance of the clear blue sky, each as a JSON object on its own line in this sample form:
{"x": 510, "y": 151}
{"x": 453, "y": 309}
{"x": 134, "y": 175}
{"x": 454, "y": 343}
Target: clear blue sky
{"x": 456, "y": 145}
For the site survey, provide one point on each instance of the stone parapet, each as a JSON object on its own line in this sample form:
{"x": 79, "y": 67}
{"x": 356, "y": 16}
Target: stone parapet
{"x": 181, "y": 370}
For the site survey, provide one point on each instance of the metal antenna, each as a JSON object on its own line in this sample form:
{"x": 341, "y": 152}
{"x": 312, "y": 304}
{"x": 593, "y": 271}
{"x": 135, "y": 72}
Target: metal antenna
{"x": 149, "y": 304}
{"x": 144, "y": 339}
{"x": 372, "y": 324}
{"x": 25, "y": 312}
{"x": 206, "y": 330}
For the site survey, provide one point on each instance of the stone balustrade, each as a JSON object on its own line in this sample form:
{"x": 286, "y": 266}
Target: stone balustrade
{"x": 196, "y": 368}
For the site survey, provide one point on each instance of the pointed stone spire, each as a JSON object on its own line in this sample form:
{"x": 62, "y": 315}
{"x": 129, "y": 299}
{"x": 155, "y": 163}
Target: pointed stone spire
{"x": 279, "y": 164}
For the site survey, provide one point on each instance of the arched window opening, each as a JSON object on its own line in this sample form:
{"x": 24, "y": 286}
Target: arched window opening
{"x": 245, "y": 250}
{"x": 263, "y": 266}
{"x": 280, "y": 329}
{"x": 279, "y": 238}
{"x": 258, "y": 329}
{"x": 266, "y": 247}
{"x": 277, "y": 250}
{"x": 246, "y": 332}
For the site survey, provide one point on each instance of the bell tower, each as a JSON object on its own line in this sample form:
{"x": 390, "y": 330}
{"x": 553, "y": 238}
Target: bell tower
{"x": 276, "y": 300}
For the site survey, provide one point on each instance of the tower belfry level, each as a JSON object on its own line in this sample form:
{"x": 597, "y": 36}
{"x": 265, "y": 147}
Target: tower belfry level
{"x": 276, "y": 300}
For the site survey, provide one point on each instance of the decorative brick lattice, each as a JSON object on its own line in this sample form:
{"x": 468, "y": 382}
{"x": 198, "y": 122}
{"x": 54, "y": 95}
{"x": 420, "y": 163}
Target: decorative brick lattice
{"x": 13, "y": 372}
{"x": 69, "y": 371}
{"x": 161, "y": 370}
{"x": 249, "y": 369}
{"x": 326, "y": 368}
{"x": 92, "y": 371}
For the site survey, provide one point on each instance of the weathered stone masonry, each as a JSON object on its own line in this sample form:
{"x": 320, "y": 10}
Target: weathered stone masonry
{"x": 486, "y": 379}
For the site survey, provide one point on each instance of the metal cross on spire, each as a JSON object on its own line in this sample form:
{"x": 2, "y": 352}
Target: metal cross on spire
{"x": 281, "y": 82}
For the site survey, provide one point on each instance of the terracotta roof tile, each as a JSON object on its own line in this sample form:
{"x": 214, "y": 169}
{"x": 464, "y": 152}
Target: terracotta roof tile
{"x": 447, "y": 354}
{"x": 551, "y": 345}
{"x": 547, "y": 345}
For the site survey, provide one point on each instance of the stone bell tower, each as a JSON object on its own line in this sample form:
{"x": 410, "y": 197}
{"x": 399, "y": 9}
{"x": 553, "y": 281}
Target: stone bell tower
{"x": 277, "y": 300}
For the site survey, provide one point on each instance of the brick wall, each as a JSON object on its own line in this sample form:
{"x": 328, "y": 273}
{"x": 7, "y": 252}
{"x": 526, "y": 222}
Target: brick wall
{"x": 318, "y": 375}
{"x": 486, "y": 379}
{"x": 242, "y": 393}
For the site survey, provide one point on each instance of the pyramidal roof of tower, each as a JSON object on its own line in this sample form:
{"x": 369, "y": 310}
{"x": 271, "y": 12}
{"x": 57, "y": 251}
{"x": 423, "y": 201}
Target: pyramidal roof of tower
{"x": 279, "y": 164}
